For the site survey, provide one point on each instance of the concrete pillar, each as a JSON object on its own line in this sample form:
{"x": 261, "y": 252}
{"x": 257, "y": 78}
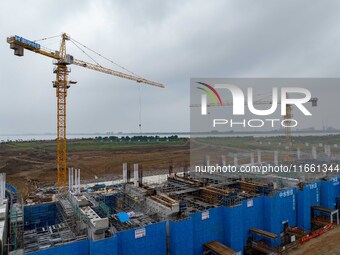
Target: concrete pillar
{"x": 327, "y": 150}
{"x": 135, "y": 174}
{"x": 207, "y": 160}
{"x": 1, "y": 187}
{"x": 235, "y": 160}
{"x": 276, "y": 157}
{"x": 75, "y": 180}
{"x": 223, "y": 161}
{"x": 252, "y": 158}
{"x": 72, "y": 180}
{"x": 4, "y": 183}
{"x": 78, "y": 190}
{"x": 69, "y": 179}
{"x": 314, "y": 156}
{"x": 259, "y": 156}
{"x": 125, "y": 168}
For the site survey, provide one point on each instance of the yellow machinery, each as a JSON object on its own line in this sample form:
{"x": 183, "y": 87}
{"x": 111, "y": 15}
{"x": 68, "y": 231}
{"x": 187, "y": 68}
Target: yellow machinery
{"x": 62, "y": 60}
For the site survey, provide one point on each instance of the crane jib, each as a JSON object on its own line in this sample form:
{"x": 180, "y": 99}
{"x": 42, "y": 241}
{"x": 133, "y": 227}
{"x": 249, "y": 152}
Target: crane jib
{"x": 27, "y": 42}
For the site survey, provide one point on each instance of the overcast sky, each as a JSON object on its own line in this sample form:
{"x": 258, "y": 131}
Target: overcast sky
{"x": 164, "y": 41}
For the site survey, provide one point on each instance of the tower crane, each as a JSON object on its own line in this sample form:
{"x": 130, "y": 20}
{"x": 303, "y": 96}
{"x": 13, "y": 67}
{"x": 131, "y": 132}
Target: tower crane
{"x": 62, "y": 60}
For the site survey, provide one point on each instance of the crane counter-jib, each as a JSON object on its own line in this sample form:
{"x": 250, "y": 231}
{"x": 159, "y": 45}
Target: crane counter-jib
{"x": 18, "y": 44}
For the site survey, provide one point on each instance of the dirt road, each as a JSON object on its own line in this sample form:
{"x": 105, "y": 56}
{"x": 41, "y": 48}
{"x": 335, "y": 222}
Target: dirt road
{"x": 326, "y": 244}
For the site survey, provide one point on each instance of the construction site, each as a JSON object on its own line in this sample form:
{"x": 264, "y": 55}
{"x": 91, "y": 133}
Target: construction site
{"x": 176, "y": 210}
{"x": 186, "y": 213}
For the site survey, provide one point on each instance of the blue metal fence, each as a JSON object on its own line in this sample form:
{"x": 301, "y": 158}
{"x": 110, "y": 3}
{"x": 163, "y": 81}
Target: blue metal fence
{"x": 108, "y": 246}
{"x": 207, "y": 226}
{"x": 233, "y": 227}
{"x": 308, "y": 197}
{"x": 148, "y": 240}
{"x": 329, "y": 191}
{"x": 181, "y": 237}
{"x": 277, "y": 211}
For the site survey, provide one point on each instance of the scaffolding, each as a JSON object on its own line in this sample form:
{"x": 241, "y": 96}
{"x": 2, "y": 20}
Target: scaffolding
{"x": 16, "y": 228}
{"x": 47, "y": 225}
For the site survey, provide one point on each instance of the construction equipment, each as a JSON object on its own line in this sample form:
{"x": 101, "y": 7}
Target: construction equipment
{"x": 62, "y": 60}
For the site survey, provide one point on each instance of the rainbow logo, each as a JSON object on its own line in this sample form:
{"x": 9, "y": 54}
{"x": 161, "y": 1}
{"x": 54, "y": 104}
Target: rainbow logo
{"x": 213, "y": 94}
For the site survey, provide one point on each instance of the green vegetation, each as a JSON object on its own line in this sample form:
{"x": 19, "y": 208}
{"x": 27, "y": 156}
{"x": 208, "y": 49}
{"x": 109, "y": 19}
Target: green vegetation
{"x": 271, "y": 142}
{"x": 125, "y": 143}
{"x": 96, "y": 144}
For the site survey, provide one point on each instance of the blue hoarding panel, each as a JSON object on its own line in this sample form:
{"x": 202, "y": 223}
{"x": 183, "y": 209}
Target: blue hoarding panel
{"x": 207, "y": 226}
{"x": 252, "y": 216}
{"x": 181, "y": 237}
{"x": 239, "y": 219}
{"x": 329, "y": 192}
{"x": 148, "y": 240}
{"x": 108, "y": 246}
{"x": 308, "y": 197}
{"x": 278, "y": 210}
{"x": 233, "y": 227}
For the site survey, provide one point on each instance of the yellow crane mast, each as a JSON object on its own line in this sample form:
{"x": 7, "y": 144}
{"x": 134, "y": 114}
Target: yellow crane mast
{"x": 62, "y": 60}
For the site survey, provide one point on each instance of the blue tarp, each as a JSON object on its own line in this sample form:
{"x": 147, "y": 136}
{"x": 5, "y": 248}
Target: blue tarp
{"x": 123, "y": 217}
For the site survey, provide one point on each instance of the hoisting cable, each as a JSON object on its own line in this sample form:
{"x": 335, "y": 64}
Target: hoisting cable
{"x": 111, "y": 61}
{"x": 76, "y": 43}
{"x": 86, "y": 54}
{"x": 140, "y": 107}
{"x": 46, "y": 38}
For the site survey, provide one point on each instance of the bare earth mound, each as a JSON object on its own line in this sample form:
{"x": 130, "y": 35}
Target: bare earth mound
{"x": 32, "y": 164}
{"x": 328, "y": 243}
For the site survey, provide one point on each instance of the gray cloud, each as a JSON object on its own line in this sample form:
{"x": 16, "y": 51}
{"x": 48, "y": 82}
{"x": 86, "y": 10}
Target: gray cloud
{"x": 165, "y": 41}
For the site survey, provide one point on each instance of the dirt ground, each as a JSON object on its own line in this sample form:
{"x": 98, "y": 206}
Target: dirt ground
{"x": 326, "y": 244}
{"x": 28, "y": 167}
